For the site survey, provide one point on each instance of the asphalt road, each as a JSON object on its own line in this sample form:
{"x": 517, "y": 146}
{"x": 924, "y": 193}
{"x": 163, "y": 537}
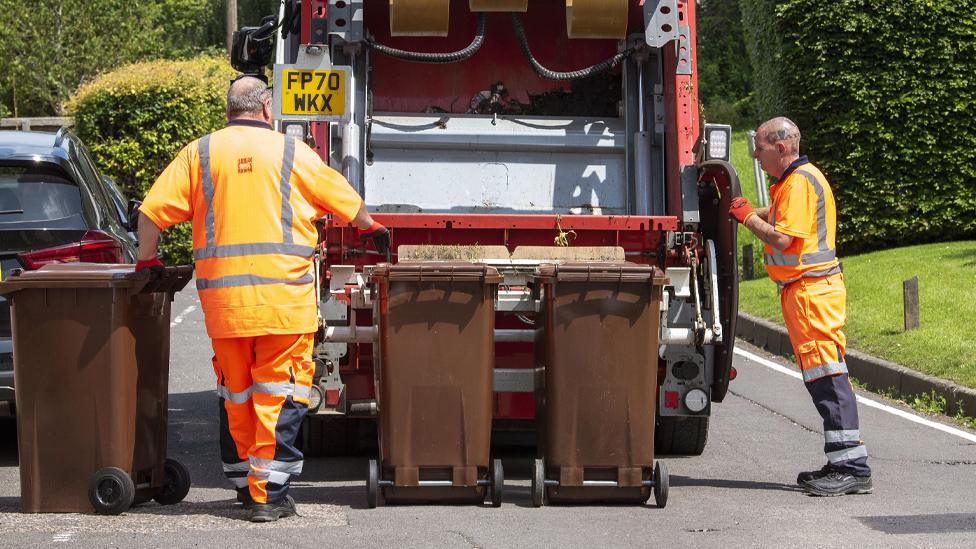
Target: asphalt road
{"x": 740, "y": 493}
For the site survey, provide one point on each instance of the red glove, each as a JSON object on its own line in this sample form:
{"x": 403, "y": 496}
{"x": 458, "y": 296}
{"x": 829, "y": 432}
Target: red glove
{"x": 152, "y": 265}
{"x": 380, "y": 236}
{"x": 741, "y": 209}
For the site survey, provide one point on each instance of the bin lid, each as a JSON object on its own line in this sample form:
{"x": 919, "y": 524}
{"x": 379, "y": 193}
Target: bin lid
{"x": 437, "y": 271}
{"x": 97, "y": 275}
{"x": 600, "y": 272}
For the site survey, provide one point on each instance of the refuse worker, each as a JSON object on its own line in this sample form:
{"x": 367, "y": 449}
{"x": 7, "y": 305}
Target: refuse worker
{"x": 253, "y": 195}
{"x": 799, "y": 231}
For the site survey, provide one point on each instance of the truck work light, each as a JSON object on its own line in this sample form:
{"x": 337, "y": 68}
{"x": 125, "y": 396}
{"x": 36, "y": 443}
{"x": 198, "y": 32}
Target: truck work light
{"x": 717, "y": 141}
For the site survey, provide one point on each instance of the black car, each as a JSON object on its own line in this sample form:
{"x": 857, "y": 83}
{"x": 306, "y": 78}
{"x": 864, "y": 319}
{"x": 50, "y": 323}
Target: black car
{"x": 55, "y": 207}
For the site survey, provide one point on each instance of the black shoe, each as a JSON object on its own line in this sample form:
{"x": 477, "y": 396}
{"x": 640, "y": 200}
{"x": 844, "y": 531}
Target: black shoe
{"x": 270, "y": 512}
{"x": 807, "y": 476}
{"x": 244, "y": 498}
{"x": 836, "y": 483}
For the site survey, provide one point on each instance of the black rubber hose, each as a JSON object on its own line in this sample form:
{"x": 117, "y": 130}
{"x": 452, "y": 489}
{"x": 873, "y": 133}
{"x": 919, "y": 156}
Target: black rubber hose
{"x": 599, "y": 68}
{"x": 423, "y": 57}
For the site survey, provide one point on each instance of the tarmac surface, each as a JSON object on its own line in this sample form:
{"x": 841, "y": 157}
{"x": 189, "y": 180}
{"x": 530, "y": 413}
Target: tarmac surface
{"x": 739, "y": 493}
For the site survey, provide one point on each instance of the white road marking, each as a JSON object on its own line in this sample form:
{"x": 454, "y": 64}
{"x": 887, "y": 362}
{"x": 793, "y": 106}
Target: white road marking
{"x": 865, "y": 401}
{"x": 179, "y": 318}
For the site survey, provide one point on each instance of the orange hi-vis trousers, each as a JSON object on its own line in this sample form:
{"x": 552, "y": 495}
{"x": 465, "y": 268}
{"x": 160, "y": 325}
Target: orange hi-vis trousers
{"x": 815, "y": 311}
{"x": 263, "y": 384}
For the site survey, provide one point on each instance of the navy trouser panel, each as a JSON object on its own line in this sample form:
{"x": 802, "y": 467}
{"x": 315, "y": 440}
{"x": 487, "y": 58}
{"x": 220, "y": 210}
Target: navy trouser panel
{"x": 835, "y": 401}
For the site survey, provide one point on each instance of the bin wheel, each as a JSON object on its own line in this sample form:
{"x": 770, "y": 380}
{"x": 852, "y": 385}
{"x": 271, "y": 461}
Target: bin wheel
{"x": 176, "y": 483}
{"x": 661, "y": 483}
{"x": 111, "y": 491}
{"x": 538, "y": 483}
{"x": 373, "y": 484}
{"x": 497, "y": 482}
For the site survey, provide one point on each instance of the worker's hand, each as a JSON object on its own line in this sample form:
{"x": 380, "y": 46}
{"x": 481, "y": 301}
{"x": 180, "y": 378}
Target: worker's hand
{"x": 741, "y": 209}
{"x": 153, "y": 266}
{"x": 380, "y": 236}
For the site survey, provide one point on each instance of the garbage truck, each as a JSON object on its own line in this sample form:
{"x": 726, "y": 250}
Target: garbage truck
{"x": 511, "y": 133}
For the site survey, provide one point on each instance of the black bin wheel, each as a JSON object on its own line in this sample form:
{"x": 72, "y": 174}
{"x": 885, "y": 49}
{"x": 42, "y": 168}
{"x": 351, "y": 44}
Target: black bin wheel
{"x": 661, "y": 483}
{"x": 111, "y": 491}
{"x": 497, "y": 482}
{"x": 538, "y": 483}
{"x": 176, "y": 483}
{"x": 373, "y": 484}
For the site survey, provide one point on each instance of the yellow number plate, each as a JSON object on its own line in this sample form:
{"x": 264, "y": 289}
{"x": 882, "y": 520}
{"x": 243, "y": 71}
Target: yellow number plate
{"x": 313, "y": 92}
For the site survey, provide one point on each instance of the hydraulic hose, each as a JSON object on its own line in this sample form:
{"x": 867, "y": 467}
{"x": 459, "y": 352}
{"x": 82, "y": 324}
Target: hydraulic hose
{"x": 424, "y": 57}
{"x": 594, "y": 70}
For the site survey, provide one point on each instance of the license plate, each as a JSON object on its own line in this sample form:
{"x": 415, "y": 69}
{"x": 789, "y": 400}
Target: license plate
{"x": 313, "y": 92}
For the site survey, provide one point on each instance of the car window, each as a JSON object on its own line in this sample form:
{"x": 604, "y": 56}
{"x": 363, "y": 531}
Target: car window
{"x": 79, "y": 158}
{"x": 117, "y": 198}
{"x": 38, "y": 195}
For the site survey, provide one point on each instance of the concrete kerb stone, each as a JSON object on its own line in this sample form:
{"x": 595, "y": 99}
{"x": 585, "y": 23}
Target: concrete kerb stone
{"x": 875, "y": 373}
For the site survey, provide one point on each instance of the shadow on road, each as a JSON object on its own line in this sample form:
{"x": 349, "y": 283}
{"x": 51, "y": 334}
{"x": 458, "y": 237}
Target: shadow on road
{"x": 679, "y": 481}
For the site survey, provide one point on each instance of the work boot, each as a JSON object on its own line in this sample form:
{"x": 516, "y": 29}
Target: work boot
{"x": 837, "y": 483}
{"x": 270, "y": 512}
{"x": 244, "y": 498}
{"x": 806, "y": 476}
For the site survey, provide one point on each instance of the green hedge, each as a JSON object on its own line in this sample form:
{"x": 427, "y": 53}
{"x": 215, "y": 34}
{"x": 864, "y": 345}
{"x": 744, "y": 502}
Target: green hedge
{"x": 884, "y": 93}
{"x": 136, "y": 119}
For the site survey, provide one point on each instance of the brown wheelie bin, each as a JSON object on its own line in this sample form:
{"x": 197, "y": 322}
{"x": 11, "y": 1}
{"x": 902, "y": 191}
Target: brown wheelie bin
{"x": 598, "y": 346}
{"x": 91, "y": 368}
{"x": 433, "y": 361}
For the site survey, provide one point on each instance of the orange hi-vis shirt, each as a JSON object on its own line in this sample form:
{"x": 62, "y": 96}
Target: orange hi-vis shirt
{"x": 802, "y": 207}
{"x": 253, "y": 196}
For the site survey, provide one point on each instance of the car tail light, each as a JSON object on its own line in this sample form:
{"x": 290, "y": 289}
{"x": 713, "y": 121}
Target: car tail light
{"x": 94, "y": 247}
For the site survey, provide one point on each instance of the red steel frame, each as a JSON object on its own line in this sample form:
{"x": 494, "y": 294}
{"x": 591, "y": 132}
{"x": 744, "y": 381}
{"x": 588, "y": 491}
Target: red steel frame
{"x": 409, "y": 87}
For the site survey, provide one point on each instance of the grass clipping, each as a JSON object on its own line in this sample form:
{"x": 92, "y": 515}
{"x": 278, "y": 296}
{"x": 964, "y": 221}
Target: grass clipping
{"x": 430, "y": 252}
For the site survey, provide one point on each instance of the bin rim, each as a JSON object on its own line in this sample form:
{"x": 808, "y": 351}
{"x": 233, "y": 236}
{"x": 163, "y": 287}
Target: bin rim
{"x": 621, "y": 272}
{"x": 436, "y": 271}
{"x": 97, "y": 275}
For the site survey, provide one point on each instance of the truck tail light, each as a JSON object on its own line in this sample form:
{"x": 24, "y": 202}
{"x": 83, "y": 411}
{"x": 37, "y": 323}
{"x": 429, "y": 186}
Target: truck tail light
{"x": 94, "y": 247}
{"x": 671, "y": 399}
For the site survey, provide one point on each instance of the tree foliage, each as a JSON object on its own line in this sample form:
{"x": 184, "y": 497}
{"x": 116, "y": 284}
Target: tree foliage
{"x": 50, "y": 47}
{"x": 884, "y": 94}
{"x": 724, "y": 71}
{"x": 136, "y": 119}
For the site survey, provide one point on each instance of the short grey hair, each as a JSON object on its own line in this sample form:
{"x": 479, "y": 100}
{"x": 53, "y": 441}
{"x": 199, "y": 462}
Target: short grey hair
{"x": 246, "y": 96}
{"x": 779, "y": 129}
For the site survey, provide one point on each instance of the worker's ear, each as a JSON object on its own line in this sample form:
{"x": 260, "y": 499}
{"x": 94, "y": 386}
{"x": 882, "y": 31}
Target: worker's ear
{"x": 266, "y": 110}
{"x": 781, "y": 148}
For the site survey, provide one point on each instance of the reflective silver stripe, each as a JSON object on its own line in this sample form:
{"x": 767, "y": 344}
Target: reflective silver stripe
{"x": 235, "y": 398}
{"x": 264, "y": 248}
{"x": 780, "y": 259}
{"x": 239, "y": 467}
{"x": 247, "y": 280}
{"x": 847, "y": 454}
{"x": 206, "y": 179}
{"x": 286, "y": 213}
{"x": 277, "y": 472}
{"x": 842, "y": 436}
{"x": 822, "y": 272}
{"x": 811, "y": 274}
{"x": 819, "y": 257}
{"x": 821, "y": 210}
{"x": 262, "y": 464}
{"x": 282, "y": 389}
{"x": 830, "y": 368}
